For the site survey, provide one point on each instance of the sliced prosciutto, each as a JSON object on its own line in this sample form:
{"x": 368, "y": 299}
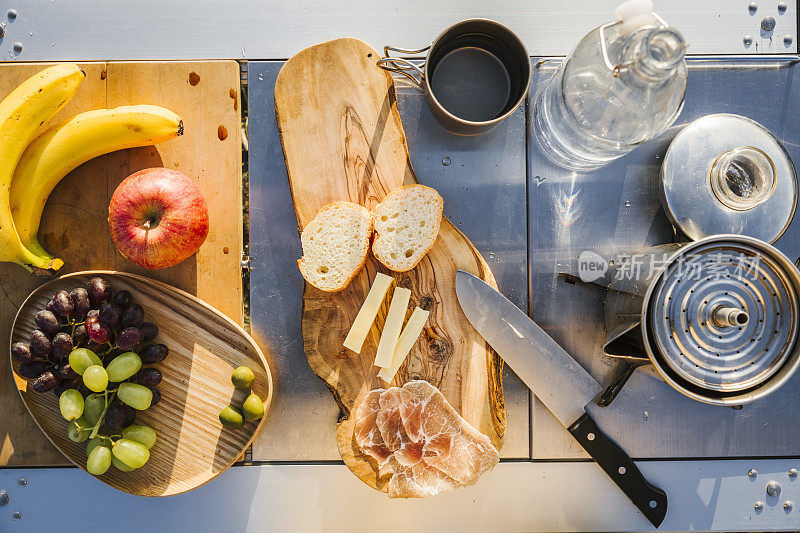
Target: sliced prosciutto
{"x": 368, "y": 436}
{"x": 417, "y": 437}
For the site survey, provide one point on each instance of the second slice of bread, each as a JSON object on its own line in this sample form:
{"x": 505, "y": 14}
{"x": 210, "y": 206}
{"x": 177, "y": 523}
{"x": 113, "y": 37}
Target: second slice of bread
{"x": 335, "y": 245}
{"x": 406, "y": 226}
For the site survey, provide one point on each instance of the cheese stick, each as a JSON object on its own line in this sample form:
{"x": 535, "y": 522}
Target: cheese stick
{"x": 406, "y": 341}
{"x": 392, "y": 327}
{"x": 366, "y": 315}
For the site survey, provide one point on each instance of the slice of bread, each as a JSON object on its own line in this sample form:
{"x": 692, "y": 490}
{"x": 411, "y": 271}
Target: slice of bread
{"x": 406, "y": 225}
{"x": 335, "y": 245}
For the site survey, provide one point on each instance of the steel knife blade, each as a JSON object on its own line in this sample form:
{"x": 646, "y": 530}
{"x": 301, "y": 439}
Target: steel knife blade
{"x": 556, "y": 379}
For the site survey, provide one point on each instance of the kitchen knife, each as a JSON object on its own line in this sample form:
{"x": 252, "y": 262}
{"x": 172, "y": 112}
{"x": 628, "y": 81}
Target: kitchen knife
{"x": 559, "y": 381}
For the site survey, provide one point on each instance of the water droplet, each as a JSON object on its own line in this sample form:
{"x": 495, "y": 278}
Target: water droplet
{"x": 260, "y": 77}
{"x": 446, "y": 161}
{"x": 30, "y": 33}
{"x": 491, "y": 255}
{"x": 645, "y": 415}
{"x": 16, "y": 516}
{"x": 627, "y": 203}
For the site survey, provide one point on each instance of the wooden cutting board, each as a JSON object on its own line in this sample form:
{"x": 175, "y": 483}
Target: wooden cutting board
{"x": 206, "y": 96}
{"x": 343, "y": 140}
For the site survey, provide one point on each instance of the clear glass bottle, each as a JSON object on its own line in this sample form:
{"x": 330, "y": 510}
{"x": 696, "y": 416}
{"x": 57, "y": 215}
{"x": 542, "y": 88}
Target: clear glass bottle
{"x": 620, "y": 87}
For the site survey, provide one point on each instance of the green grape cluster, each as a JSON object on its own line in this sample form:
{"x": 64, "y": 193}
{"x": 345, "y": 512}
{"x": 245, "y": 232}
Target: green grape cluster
{"x": 89, "y": 349}
{"x": 252, "y": 409}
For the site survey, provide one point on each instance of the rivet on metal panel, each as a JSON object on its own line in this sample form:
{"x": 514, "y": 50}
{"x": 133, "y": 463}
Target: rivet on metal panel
{"x": 759, "y": 506}
{"x": 3, "y": 498}
{"x": 752, "y": 473}
{"x": 22, "y": 482}
{"x": 788, "y": 505}
{"x": 787, "y": 39}
{"x": 747, "y": 40}
{"x": 16, "y": 516}
{"x": 792, "y": 473}
{"x": 18, "y": 47}
{"x": 12, "y": 15}
{"x": 782, "y": 7}
{"x": 752, "y": 7}
{"x": 768, "y": 24}
{"x": 773, "y": 489}
{"x": 446, "y": 161}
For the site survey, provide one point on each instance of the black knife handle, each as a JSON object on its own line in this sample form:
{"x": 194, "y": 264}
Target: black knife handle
{"x": 651, "y": 500}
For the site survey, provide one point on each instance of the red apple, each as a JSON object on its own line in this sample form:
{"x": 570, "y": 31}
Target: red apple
{"x": 158, "y": 217}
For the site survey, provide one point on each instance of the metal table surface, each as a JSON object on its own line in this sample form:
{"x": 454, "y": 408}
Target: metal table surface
{"x": 297, "y": 482}
{"x": 482, "y": 181}
{"x": 617, "y": 209}
{"x": 519, "y": 496}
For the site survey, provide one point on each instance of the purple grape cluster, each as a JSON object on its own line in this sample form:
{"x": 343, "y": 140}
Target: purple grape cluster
{"x": 97, "y": 318}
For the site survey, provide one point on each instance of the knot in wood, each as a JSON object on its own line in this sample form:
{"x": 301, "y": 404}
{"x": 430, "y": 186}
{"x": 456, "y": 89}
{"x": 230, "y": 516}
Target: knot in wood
{"x": 425, "y": 303}
{"x": 439, "y": 350}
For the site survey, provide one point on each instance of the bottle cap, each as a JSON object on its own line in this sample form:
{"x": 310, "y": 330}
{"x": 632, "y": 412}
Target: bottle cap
{"x": 634, "y": 14}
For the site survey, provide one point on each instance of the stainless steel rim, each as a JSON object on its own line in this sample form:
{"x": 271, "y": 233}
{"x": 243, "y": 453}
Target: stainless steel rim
{"x": 718, "y": 364}
{"x": 687, "y": 191}
{"x": 405, "y": 67}
{"x": 516, "y": 104}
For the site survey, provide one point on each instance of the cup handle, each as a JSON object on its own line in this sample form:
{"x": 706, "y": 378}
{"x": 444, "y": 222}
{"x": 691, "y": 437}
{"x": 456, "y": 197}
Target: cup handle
{"x": 401, "y": 65}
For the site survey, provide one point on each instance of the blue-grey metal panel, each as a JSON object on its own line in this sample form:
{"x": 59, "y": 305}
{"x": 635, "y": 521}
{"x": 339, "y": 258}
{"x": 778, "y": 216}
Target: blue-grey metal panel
{"x": 576, "y": 496}
{"x": 302, "y": 418}
{"x": 482, "y": 181}
{"x": 618, "y": 208}
{"x": 275, "y": 29}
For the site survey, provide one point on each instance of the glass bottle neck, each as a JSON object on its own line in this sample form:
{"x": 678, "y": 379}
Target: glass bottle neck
{"x": 654, "y": 55}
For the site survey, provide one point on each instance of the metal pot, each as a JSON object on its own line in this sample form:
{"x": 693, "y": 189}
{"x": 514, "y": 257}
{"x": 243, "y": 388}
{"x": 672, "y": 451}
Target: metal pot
{"x": 717, "y": 318}
{"x": 476, "y": 74}
{"x": 726, "y": 173}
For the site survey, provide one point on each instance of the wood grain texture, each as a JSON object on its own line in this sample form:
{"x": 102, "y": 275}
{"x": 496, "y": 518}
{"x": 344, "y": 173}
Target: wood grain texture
{"x": 74, "y": 223}
{"x": 205, "y": 347}
{"x": 343, "y": 140}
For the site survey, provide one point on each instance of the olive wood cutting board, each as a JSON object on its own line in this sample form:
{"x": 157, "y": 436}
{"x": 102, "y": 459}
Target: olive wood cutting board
{"x": 343, "y": 140}
{"x": 205, "y": 347}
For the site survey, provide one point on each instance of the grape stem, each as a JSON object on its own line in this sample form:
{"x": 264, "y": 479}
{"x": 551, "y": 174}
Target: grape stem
{"x": 74, "y": 325}
{"x": 108, "y": 401}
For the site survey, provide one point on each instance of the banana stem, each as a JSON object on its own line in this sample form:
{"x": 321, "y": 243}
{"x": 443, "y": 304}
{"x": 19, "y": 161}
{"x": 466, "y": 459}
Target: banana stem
{"x": 37, "y": 249}
{"x": 40, "y": 266}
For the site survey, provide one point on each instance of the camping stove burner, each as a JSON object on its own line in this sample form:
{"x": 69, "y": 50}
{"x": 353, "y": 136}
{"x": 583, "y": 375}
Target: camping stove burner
{"x": 722, "y": 316}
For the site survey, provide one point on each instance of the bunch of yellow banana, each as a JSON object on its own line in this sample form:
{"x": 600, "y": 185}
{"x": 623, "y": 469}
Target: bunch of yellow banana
{"x": 32, "y": 161}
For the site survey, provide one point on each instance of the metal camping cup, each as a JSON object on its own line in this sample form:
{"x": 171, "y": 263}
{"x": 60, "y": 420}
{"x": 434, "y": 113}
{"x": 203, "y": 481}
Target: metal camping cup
{"x": 477, "y": 72}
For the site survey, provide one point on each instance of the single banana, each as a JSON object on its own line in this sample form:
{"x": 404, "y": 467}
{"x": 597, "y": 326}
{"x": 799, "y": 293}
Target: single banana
{"x": 22, "y": 114}
{"x": 65, "y": 146}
